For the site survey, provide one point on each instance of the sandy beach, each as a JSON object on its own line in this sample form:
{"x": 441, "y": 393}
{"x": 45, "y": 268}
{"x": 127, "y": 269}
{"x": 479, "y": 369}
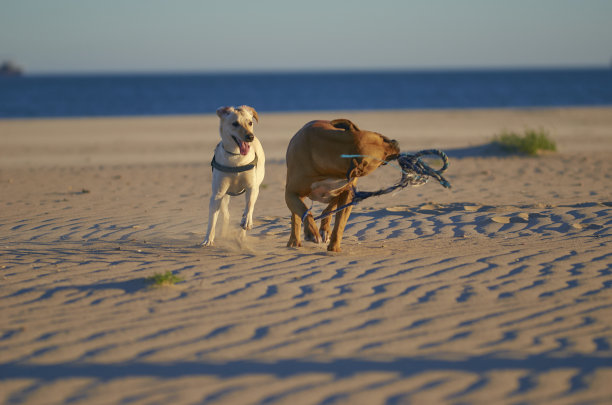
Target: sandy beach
{"x": 496, "y": 291}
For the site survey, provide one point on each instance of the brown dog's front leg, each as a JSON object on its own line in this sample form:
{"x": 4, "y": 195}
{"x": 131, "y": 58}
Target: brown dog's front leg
{"x": 325, "y": 228}
{"x": 311, "y": 232}
{"x": 340, "y": 222}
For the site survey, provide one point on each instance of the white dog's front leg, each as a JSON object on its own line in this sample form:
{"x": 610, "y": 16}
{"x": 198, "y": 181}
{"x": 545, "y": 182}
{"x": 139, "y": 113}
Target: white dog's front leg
{"x": 225, "y": 215}
{"x": 247, "y": 217}
{"x": 213, "y": 214}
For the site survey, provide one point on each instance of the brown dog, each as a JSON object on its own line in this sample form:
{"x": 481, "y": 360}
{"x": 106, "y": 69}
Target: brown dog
{"x": 317, "y": 170}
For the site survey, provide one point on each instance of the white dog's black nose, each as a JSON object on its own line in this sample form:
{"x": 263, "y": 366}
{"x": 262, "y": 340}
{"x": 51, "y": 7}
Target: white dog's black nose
{"x": 249, "y": 137}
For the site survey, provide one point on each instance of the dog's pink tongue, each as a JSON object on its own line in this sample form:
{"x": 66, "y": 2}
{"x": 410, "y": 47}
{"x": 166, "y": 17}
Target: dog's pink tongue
{"x": 244, "y": 148}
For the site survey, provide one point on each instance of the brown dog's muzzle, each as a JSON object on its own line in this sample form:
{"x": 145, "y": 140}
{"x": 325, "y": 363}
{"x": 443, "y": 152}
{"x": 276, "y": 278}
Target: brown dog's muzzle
{"x": 394, "y": 150}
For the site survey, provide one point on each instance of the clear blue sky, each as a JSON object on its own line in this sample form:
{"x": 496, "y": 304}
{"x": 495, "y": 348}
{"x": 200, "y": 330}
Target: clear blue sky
{"x": 273, "y": 35}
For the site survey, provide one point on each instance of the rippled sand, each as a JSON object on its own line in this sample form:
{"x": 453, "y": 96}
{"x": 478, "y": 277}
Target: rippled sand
{"x": 497, "y": 291}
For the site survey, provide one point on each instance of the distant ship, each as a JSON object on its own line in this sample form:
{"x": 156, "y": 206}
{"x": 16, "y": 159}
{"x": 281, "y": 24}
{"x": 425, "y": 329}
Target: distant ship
{"x": 9, "y": 68}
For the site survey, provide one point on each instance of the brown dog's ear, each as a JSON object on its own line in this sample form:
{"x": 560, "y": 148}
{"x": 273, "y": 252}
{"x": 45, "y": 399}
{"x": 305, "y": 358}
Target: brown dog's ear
{"x": 343, "y": 123}
{"x": 223, "y": 111}
{"x": 251, "y": 110}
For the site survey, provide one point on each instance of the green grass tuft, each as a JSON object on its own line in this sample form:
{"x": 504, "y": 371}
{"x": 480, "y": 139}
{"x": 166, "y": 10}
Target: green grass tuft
{"x": 165, "y": 279}
{"x": 531, "y": 142}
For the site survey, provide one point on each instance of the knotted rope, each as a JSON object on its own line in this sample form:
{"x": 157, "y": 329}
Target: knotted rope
{"x": 415, "y": 172}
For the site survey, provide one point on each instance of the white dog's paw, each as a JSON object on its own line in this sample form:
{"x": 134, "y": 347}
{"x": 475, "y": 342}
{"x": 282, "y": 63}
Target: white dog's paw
{"x": 208, "y": 242}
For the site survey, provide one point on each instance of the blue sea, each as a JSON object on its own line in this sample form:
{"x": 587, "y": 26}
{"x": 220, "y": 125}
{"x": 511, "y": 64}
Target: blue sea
{"x": 32, "y": 96}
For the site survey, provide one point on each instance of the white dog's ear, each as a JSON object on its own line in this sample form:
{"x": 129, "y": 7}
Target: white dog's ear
{"x": 223, "y": 111}
{"x": 251, "y": 110}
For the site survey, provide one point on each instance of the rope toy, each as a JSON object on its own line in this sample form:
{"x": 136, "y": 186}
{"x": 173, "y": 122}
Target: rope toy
{"x": 415, "y": 172}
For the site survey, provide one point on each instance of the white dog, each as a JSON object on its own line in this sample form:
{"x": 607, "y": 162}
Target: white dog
{"x": 238, "y": 167}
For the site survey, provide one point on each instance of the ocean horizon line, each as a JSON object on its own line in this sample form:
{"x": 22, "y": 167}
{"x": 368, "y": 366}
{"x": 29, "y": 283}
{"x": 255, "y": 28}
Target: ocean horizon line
{"x": 138, "y": 94}
{"x": 315, "y": 71}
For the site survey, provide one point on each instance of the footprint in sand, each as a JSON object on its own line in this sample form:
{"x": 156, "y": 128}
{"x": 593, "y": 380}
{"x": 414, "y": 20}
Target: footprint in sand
{"x": 577, "y": 225}
{"x": 524, "y": 215}
{"x": 520, "y": 218}
{"x": 501, "y": 220}
{"x": 399, "y": 208}
{"x": 431, "y": 207}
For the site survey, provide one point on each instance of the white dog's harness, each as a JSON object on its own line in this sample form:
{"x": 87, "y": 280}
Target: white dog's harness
{"x": 233, "y": 169}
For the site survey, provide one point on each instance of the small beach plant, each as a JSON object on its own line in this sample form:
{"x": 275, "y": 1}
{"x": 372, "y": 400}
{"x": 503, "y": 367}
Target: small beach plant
{"x": 165, "y": 279}
{"x": 531, "y": 142}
